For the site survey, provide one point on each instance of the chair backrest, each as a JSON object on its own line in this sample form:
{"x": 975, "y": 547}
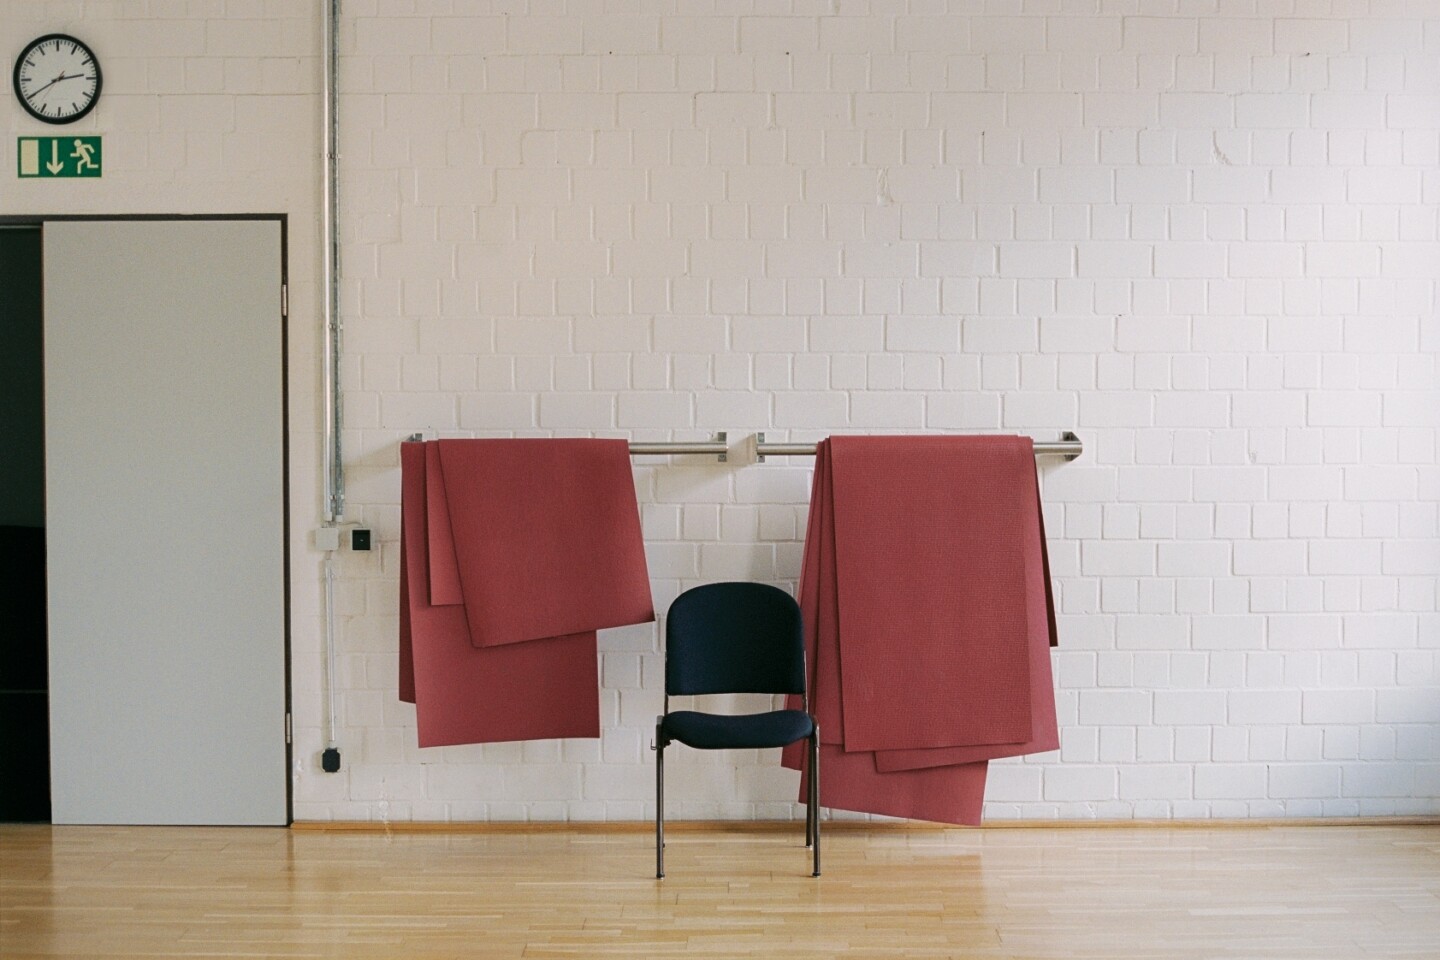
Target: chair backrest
{"x": 734, "y": 638}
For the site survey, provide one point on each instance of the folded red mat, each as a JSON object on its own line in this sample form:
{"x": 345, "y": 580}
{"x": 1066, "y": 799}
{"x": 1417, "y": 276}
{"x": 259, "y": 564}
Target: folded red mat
{"x": 541, "y": 689}
{"x": 932, "y": 589}
{"x": 444, "y": 579}
{"x": 947, "y": 794}
{"x": 1044, "y": 733}
{"x": 546, "y": 536}
{"x": 928, "y": 620}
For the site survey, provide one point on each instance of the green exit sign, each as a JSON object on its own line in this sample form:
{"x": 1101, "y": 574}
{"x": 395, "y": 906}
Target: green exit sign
{"x": 59, "y": 156}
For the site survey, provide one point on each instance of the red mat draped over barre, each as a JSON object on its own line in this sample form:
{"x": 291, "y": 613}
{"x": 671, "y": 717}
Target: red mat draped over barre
{"x": 513, "y": 553}
{"x": 928, "y": 620}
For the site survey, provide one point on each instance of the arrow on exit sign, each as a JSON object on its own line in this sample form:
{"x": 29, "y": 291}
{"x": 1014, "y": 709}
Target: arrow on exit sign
{"x": 58, "y": 157}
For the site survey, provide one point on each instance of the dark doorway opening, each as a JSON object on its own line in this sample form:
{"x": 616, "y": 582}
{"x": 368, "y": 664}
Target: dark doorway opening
{"x": 24, "y": 697}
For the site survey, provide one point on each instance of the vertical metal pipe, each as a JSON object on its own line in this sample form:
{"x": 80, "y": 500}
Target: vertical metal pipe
{"x": 331, "y": 728}
{"x": 331, "y": 464}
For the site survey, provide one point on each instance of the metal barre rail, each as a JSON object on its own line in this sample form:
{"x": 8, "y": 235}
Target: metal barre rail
{"x": 1068, "y": 446}
{"x": 718, "y": 447}
{"x": 668, "y": 448}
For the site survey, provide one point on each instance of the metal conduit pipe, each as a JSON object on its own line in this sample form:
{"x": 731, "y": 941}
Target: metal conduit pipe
{"x": 331, "y": 465}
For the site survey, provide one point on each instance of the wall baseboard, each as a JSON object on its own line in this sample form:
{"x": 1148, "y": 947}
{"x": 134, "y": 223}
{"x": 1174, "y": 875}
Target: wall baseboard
{"x": 848, "y": 826}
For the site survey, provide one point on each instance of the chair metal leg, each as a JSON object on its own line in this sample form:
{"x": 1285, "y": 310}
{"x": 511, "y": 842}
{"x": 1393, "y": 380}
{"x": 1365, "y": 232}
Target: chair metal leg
{"x": 814, "y": 805}
{"x": 659, "y": 805}
{"x": 809, "y": 807}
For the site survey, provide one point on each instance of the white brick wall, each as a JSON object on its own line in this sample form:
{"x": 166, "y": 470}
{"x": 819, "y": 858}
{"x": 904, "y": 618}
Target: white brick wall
{"x": 1207, "y": 241}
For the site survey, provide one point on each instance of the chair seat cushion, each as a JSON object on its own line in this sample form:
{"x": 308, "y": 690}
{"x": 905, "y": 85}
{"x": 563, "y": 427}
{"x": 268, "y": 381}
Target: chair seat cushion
{"x": 714, "y": 731}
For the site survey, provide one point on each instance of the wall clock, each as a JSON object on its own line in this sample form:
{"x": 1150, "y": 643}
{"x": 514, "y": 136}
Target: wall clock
{"x": 57, "y": 78}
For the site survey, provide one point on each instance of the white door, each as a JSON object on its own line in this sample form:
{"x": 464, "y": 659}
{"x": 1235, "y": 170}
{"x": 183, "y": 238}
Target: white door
{"x": 165, "y": 518}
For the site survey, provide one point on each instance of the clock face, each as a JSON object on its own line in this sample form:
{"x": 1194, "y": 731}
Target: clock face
{"x": 57, "y": 79}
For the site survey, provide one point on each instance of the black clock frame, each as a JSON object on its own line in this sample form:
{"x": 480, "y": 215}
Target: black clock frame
{"x": 35, "y": 44}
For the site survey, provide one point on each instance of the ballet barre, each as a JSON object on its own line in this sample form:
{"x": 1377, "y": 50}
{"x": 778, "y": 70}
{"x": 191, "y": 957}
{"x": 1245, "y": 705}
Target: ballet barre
{"x": 1068, "y": 446}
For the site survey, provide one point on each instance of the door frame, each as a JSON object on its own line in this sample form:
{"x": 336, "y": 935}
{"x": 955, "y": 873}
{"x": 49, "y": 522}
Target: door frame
{"x": 39, "y": 220}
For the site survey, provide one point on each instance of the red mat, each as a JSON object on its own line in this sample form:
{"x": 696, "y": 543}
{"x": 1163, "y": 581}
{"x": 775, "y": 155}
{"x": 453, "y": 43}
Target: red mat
{"x": 544, "y": 687}
{"x": 444, "y": 577}
{"x": 948, "y": 794}
{"x": 933, "y": 589}
{"x": 1044, "y": 733}
{"x": 546, "y": 534}
{"x": 928, "y": 616}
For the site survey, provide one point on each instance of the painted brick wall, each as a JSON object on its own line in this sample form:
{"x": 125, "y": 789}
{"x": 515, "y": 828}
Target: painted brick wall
{"x": 1202, "y": 234}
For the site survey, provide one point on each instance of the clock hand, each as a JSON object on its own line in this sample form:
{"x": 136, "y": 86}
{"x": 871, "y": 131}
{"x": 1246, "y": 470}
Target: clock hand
{"x": 52, "y": 83}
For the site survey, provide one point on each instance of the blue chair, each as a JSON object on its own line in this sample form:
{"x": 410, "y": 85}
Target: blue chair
{"x": 735, "y": 638}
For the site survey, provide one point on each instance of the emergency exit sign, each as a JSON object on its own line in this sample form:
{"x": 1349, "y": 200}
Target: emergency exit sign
{"x": 59, "y": 156}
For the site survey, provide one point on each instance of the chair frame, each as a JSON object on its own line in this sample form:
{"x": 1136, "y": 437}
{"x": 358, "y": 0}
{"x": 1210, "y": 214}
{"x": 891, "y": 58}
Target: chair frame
{"x": 812, "y": 799}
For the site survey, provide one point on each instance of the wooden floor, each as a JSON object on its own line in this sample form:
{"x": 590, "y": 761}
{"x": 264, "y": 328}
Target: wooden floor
{"x": 1171, "y": 893}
